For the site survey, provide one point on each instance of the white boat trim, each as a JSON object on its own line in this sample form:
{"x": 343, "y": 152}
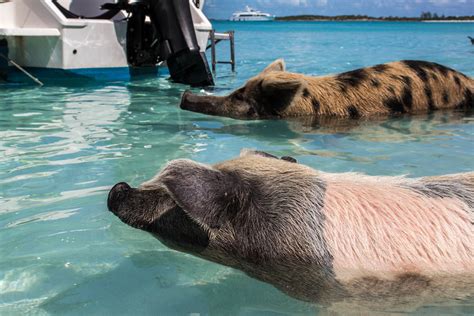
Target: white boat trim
{"x": 49, "y": 32}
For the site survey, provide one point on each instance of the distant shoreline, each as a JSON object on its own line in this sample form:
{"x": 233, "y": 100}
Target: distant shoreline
{"x": 364, "y": 18}
{"x": 449, "y": 21}
{"x": 355, "y": 20}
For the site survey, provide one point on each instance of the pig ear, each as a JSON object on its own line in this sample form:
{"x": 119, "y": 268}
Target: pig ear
{"x": 277, "y": 65}
{"x": 207, "y": 195}
{"x": 279, "y": 91}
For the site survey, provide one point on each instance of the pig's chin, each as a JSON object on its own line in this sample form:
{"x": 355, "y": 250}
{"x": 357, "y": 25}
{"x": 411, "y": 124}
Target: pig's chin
{"x": 202, "y": 108}
{"x": 211, "y": 105}
{"x": 178, "y": 231}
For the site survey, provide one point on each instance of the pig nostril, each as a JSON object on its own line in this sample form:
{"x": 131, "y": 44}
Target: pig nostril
{"x": 121, "y": 187}
{"x": 118, "y": 195}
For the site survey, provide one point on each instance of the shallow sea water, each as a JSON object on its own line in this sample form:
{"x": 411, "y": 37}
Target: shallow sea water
{"x": 62, "y": 147}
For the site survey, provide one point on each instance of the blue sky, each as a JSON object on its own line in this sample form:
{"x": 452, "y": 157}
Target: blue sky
{"x": 222, "y": 9}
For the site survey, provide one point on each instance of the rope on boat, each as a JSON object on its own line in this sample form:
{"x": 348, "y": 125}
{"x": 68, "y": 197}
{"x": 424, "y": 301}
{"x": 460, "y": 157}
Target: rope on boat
{"x": 22, "y": 69}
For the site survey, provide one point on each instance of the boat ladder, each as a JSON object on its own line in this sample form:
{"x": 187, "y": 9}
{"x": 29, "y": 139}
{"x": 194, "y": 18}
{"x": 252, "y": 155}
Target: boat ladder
{"x": 215, "y": 38}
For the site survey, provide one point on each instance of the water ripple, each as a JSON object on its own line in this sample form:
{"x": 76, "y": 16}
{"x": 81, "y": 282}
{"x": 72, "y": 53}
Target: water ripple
{"x": 43, "y": 217}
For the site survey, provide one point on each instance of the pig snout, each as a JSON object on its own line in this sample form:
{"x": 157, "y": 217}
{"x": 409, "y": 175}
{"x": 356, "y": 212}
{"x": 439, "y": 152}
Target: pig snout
{"x": 117, "y": 196}
{"x": 185, "y": 99}
{"x": 211, "y": 105}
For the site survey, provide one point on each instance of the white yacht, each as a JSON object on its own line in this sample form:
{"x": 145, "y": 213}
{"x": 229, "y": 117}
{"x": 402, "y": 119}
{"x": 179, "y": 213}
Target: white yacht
{"x": 251, "y": 15}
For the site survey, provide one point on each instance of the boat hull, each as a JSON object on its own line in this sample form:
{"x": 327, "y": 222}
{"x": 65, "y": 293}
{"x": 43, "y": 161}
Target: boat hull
{"x": 55, "y": 76}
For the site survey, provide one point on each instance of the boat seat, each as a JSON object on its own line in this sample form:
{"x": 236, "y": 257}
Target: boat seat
{"x": 20, "y": 31}
{"x": 112, "y": 11}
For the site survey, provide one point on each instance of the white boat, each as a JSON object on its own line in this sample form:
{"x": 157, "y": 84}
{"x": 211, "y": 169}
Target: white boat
{"x": 252, "y": 15}
{"x": 88, "y": 37}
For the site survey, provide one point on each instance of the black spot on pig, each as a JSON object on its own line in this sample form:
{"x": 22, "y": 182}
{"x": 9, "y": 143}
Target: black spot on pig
{"x": 306, "y": 93}
{"x": 445, "y": 97}
{"x": 380, "y": 68}
{"x": 418, "y": 68}
{"x": 468, "y": 102}
{"x": 394, "y": 105}
{"x": 421, "y": 68}
{"x": 316, "y": 105}
{"x": 457, "y": 81}
{"x": 353, "y": 112}
{"x": 406, "y": 80}
{"x": 375, "y": 83}
{"x": 407, "y": 99}
{"x": 429, "y": 98}
{"x": 352, "y": 78}
{"x": 400, "y": 104}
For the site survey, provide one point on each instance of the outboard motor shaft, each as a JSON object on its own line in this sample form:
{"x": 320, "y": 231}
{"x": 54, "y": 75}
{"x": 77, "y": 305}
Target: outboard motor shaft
{"x": 3, "y": 61}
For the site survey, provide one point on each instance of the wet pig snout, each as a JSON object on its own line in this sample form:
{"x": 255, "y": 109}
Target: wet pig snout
{"x": 117, "y": 195}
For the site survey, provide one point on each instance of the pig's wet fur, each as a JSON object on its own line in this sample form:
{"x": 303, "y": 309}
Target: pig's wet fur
{"x": 319, "y": 237}
{"x": 403, "y": 87}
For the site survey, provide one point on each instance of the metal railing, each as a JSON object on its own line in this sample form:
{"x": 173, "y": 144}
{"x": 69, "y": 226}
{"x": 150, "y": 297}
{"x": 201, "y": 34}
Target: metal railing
{"x": 215, "y": 38}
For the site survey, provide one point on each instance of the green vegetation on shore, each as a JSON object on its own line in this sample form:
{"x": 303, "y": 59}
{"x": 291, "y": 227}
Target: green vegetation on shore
{"x": 425, "y": 16}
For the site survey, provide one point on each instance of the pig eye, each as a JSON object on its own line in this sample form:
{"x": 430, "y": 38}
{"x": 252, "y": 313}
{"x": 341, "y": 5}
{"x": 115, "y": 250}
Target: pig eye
{"x": 267, "y": 155}
{"x": 289, "y": 159}
{"x": 239, "y": 96}
{"x": 251, "y": 112}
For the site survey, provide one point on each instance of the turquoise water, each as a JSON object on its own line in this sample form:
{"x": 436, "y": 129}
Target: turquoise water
{"x": 62, "y": 147}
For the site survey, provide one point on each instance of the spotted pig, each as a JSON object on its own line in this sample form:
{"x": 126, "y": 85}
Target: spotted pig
{"x": 407, "y": 86}
{"x": 316, "y": 236}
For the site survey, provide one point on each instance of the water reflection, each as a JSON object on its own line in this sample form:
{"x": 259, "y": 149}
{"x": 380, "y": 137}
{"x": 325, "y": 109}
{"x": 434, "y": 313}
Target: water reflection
{"x": 209, "y": 290}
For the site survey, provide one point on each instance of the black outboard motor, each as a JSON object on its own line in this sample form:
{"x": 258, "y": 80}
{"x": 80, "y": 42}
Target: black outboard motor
{"x": 178, "y": 44}
{"x": 142, "y": 42}
{"x": 3, "y": 59}
{"x": 169, "y": 37}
